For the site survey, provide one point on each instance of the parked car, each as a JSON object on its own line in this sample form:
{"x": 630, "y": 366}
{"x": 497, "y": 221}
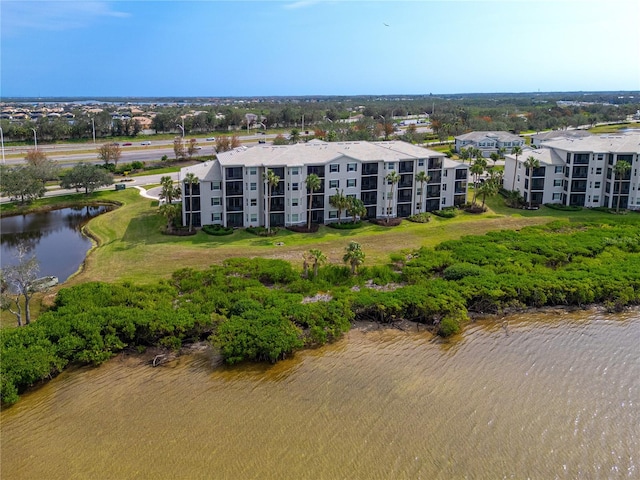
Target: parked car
{"x": 146, "y": 143}
{"x": 211, "y": 139}
{"x": 128, "y": 144}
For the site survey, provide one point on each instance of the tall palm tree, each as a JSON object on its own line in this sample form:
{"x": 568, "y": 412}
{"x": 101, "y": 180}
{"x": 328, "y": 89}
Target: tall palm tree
{"x": 318, "y": 258}
{"x": 354, "y": 256}
{"x": 515, "y": 151}
{"x": 490, "y": 186}
{"x": 477, "y": 169}
{"x": 530, "y": 163}
{"x": 169, "y": 191}
{"x": 294, "y": 136}
{"x": 465, "y": 154}
{"x": 620, "y": 169}
{"x": 313, "y": 183}
{"x": 355, "y": 208}
{"x": 272, "y": 181}
{"x": 392, "y": 177}
{"x": 339, "y": 202}
{"x": 422, "y": 178}
{"x": 191, "y": 180}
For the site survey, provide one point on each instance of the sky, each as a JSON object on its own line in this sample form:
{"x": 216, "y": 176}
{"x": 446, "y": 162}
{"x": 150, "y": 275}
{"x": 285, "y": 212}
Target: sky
{"x": 316, "y": 47}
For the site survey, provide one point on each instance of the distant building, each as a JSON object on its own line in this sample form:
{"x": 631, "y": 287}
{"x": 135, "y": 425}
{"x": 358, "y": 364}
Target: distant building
{"x": 579, "y": 171}
{"x": 539, "y": 138}
{"x": 232, "y": 192}
{"x": 488, "y": 142}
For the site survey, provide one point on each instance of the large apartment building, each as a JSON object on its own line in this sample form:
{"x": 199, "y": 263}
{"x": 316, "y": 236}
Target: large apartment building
{"x": 232, "y": 191}
{"x": 579, "y": 171}
{"x": 488, "y": 142}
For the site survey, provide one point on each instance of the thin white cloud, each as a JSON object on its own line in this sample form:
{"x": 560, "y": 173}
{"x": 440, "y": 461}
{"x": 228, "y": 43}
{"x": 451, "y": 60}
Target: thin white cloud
{"x": 18, "y": 17}
{"x": 301, "y": 4}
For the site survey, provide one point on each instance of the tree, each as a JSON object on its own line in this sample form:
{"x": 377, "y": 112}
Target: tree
{"x": 169, "y": 192}
{"x": 280, "y": 140}
{"x": 339, "y": 202}
{"x": 422, "y": 178}
{"x": 86, "y": 176}
{"x": 490, "y": 186}
{"x": 313, "y": 183}
{"x": 620, "y": 169}
{"x": 108, "y": 153}
{"x": 465, "y": 154}
{"x": 392, "y": 178}
{"x": 21, "y": 182}
{"x": 318, "y": 258}
{"x": 178, "y": 148}
{"x": 494, "y": 158}
{"x": 355, "y": 208}
{"x": 41, "y": 167}
{"x": 170, "y": 212}
{"x": 530, "y": 163}
{"x": 192, "y": 148}
{"x": 18, "y": 284}
{"x": 477, "y": 169}
{"x": 515, "y": 151}
{"x": 272, "y": 181}
{"x": 190, "y": 179}
{"x": 294, "y": 136}
{"x": 354, "y": 256}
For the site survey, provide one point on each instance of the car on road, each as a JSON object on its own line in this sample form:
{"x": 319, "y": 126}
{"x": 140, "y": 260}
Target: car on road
{"x": 128, "y": 144}
{"x": 211, "y": 139}
{"x": 262, "y": 141}
{"x": 197, "y": 147}
{"x": 146, "y": 143}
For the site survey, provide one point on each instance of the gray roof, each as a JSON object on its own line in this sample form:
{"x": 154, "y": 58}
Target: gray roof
{"x": 499, "y": 136}
{"x": 544, "y": 155}
{"x": 618, "y": 143}
{"x": 317, "y": 152}
{"x": 554, "y": 134}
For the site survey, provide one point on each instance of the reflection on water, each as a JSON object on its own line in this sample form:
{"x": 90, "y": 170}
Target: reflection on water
{"x": 55, "y": 237}
{"x": 539, "y": 397}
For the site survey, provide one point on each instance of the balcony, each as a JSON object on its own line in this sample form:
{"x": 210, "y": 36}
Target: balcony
{"x": 370, "y": 169}
{"x": 369, "y": 183}
{"x": 405, "y": 167}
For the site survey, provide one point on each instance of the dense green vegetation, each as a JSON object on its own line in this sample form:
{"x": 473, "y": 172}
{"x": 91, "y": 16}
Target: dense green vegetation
{"x": 259, "y": 309}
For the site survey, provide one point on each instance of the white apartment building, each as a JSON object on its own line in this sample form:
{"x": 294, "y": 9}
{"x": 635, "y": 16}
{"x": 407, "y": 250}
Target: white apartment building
{"x": 231, "y": 190}
{"x": 488, "y": 142}
{"x": 579, "y": 171}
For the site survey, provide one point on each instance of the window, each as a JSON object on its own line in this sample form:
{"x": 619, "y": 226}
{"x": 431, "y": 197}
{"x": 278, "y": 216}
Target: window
{"x": 334, "y": 168}
{"x": 215, "y": 201}
{"x": 294, "y": 217}
{"x": 295, "y": 202}
{"x": 444, "y": 187}
{"x": 253, "y": 171}
{"x": 216, "y": 185}
{"x": 559, "y": 169}
{"x": 418, "y": 191}
{"x": 295, "y": 186}
{"x": 216, "y": 217}
{"x": 444, "y": 201}
{"x": 557, "y": 182}
{"x": 351, "y": 195}
{"x": 254, "y": 217}
{"x": 351, "y": 182}
{"x": 295, "y": 171}
{"x": 596, "y": 198}
{"x": 600, "y": 157}
{"x": 597, "y": 185}
{"x": 254, "y": 202}
{"x": 352, "y": 167}
{"x": 556, "y": 196}
{"x": 444, "y": 174}
{"x": 390, "y": 165}
{"x": 421, "y": 162}
{"x": 254, "y": 186}
{"x": 333, "y": 214}
{"x": 599, "y": 171}
{"x": 334, "y": 183}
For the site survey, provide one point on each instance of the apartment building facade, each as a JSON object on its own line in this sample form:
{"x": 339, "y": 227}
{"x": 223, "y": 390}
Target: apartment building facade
{"x": 232, "y": 190}
{"x": 488, "y": 142}
{"x": 579, "y": 171}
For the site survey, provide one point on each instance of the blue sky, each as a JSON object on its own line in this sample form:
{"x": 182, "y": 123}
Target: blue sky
{"x": 323, "y": 47}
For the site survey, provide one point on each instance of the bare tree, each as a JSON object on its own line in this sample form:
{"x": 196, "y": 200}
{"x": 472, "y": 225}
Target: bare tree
{"x": 18, "y": 282}
{"x": 108, "y": 153}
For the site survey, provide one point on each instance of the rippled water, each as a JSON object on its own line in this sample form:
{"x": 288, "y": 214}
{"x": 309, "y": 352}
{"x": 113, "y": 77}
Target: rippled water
{"x": 550, "y": 395}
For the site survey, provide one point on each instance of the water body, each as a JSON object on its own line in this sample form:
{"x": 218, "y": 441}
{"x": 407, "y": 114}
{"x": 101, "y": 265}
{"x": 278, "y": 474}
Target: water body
{"x": 55, "y": 237}
{"x": 544, "y": 396}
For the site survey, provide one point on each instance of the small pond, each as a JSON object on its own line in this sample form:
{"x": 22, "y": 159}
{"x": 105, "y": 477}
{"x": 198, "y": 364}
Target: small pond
{"x": 55, "y": 237}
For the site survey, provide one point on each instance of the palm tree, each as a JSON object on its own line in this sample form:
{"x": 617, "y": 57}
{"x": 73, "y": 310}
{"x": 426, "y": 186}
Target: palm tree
{"x": 465, "y": 154}
{"x": 294, "y": 136}
{"x": 313, "y": 183}
{"x": 272, "y": 181}
{"x": 170, "y": 212}
{"x": 494, "y": 158}
{"x": 354, "y": 256}
{"x": 318, "y": 258}
{"x": 422, "y": 178}
{"x": 191, "y": 180}
{"x": 355, "y": 208}
{"x": 489, "y": 187}
{"x": 620, "y": 169}
{"x": 392, "y": 178}
{"x": 477, "y": 169}
{"x": 339, "y": 202}
{"x": 517, "y": 150}
{"x": 169, "y": 191}
{"x": 530, "y": 163}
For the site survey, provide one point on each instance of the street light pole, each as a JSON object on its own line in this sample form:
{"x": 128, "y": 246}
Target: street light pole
{"x": 2, "y": 141}
{"x": 93, "y": 126}
{"x": 35, "y": 138}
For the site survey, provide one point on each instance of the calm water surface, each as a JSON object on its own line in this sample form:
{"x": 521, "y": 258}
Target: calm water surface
{"x": 54, "y": 237}
{"x": 549, "y": 395}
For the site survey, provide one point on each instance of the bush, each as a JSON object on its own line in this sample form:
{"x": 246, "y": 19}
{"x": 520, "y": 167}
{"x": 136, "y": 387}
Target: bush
{"x": 448, "y": 212}
{"x": 386, "y": 222}
{"x": 461, "y": 270}
{"x": 448, "y": 326}
{"x": 217, "y": 230}
{"x": 303, "y": 228}
{"x": 345, "y": 226}
{"x": 475, "y": 209}
{"x": 423, "y": 217}
{"x": 565, "y": 208}
{"x": 262, "y": 231}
